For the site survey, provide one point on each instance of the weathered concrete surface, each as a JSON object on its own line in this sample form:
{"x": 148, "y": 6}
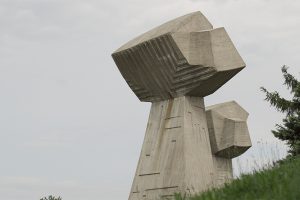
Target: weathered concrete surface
{"x": 176, "y": 154}
{"x": 185, "y": 56}
{"x": 229, "y": 135}
{"x": 187, "y": 148}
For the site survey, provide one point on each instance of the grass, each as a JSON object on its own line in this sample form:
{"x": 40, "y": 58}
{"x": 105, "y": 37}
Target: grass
{"x": 280, "y": 182}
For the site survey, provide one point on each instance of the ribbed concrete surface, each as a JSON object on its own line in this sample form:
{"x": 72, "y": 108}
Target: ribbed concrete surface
{"x": 182, "y": 57}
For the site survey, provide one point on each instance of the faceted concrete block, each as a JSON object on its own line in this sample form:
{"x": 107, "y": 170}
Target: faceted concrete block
{"x": 229, "y": 135}
{"x": 185, "y": 56}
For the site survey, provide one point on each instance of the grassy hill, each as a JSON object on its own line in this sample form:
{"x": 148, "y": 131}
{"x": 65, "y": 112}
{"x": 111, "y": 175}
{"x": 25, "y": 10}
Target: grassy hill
{"x": 281, "y": 182}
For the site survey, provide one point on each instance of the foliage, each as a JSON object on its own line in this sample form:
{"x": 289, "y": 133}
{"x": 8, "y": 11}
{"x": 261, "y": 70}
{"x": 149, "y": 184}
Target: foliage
{"x": 51, "y": 198}
{"x": 280, "y": 182}
{"x": 289, "y": 131}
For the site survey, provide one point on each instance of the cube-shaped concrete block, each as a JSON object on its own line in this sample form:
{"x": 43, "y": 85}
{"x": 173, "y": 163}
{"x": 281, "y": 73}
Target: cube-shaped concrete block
{"x": 228, "y": 131}
{"x": 185, "y": 56}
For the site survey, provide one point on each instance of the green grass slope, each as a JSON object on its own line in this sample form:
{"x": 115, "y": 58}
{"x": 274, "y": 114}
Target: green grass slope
{"x": 281, "y": 182}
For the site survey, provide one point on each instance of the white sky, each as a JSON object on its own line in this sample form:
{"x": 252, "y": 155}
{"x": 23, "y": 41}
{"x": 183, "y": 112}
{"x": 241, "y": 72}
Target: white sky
{"x": 69, "y": 124}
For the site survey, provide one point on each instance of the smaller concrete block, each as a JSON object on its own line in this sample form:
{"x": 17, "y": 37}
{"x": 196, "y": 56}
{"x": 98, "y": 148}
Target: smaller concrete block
{"x": 228, "y": 131}
{"x": 231, "y": 144}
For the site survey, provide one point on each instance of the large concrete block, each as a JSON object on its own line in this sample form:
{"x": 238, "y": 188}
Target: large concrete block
{"x": 185, "y": 56}
{"x": 228, "y": 131}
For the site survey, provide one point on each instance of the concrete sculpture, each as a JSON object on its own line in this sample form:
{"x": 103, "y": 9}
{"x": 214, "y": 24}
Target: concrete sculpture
{"x": 187, "y": 148}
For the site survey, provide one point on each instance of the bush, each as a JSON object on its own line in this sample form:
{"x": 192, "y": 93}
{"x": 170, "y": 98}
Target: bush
{"x": 51, "y": 198}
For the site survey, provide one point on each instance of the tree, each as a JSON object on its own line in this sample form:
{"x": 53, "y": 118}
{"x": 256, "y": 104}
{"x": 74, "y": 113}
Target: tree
{"x": 51, "y": 198}
{"x": 289, "y": 131}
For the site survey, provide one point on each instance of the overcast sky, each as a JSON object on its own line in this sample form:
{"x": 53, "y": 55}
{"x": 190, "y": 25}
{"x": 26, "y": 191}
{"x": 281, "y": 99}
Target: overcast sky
{"x": 70, "y": 125}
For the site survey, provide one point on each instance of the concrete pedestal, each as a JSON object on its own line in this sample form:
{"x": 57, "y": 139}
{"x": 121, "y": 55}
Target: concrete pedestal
{"x": 176, "y": 154}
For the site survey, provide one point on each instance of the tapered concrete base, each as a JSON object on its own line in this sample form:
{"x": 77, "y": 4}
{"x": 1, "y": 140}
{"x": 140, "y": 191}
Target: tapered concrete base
{"x": 176, "y": 154}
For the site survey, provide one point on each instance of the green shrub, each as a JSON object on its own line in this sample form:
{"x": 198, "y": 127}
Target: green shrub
{"x": 51, "y": 198}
